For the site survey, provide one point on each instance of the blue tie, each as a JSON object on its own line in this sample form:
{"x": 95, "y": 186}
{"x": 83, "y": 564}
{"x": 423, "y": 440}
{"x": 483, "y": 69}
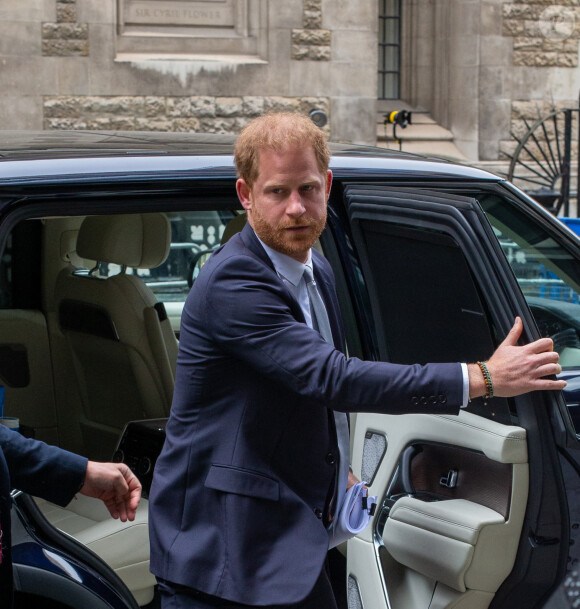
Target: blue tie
{"x": 321, "y": 323}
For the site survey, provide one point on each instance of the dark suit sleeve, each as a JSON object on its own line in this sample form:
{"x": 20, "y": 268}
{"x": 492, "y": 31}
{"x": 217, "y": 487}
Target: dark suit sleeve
{"x": 42, "y": 470}
{"x": 247, "y": 311}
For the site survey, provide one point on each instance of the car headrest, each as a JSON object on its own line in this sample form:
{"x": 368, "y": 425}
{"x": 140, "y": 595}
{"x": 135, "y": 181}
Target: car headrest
{"x": 136, "y": 240}
{"x": 235, "y": 225}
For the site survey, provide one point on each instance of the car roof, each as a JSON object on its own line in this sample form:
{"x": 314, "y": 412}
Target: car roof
{"x": 38, "y": 156}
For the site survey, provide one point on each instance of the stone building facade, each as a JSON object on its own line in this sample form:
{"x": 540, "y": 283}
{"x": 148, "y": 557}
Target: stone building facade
{"x": 477, "y": 64}
{"x": 186, "y": 66}
{"x": 480, "y": 69}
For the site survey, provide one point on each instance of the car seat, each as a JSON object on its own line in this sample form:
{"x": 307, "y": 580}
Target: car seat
{"x": 124, "y": 546}
{"x": 122, "y": 349}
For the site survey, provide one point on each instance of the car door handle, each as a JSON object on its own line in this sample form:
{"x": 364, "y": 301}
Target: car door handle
{"x": 450, "y": 480}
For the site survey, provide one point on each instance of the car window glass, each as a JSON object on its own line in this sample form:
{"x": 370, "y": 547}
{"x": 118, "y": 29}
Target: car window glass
{"x": 20, "y": 267}
{"x": 413, "y": 273}
{"x": 549, "y": 277}
{"x": 194, "y": 236}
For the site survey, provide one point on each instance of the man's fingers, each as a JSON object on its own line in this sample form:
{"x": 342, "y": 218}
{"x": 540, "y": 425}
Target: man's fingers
{"x": 132, "y": 496}
{"x": 122, "y": 510}
{"x": 116, "y": 485}
{"x": 548, "y": 385}
{"x": 111, "y": 505}
{"x": 515, "y": 333}
{"x": 130, "y": 506}
{"x": 538, "y": 346}
{"x": 135, "y": 498}
{"x": 548, "y": 370}
{"x": 519, "y": 369}
{"x": 122, "y": 481}
{"x": 545, "y": 358}
{"x": 542, "y": 345}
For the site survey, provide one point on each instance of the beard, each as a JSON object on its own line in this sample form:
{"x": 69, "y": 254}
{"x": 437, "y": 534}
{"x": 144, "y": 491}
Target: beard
{"x": 295, "y": 245}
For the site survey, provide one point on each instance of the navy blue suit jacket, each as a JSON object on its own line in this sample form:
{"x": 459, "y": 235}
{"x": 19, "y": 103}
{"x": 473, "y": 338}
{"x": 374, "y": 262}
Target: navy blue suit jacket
{"x": 36, "y": 468}
{"x": 244, "y": 476}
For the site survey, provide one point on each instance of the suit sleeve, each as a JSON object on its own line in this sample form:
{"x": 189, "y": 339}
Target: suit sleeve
{"x": 42, "y": 470}
{"x": 247, "y": 312}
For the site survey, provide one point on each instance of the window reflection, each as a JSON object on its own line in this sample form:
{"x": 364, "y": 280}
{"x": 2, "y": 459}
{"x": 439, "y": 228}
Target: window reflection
{"x": 549, "y": 277}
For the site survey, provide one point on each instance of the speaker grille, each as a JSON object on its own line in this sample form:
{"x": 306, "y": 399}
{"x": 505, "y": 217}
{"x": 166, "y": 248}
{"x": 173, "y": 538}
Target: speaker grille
{"x": 374, "y": 449}
{"x": 354, "y": 598}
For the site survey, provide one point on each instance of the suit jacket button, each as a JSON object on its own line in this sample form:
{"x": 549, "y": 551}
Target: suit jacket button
{"x": 318, "y": 513}
{"x": 442, "y": 399}
{"x": 423, "y": 400}
{"x": 330, "y": 459}
{"x": 432, "y": 399}
{"x": 414, "y": 400}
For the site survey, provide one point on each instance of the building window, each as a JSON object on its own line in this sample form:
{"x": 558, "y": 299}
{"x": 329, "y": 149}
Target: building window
{"x": 389, "y": 49}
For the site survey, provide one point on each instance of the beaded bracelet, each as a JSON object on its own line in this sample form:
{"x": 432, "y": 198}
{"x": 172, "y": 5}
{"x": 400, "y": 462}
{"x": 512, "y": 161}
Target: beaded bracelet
{"x": 487, "y": 379}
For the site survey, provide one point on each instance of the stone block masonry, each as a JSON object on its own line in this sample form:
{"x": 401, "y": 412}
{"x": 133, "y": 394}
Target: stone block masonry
{"x": 66, "y": 36}
{"x": 545, "y": 33}
{"x": 312, "y": 42}
{"x": 525, "y": 114}
{"x": 201, "y": 114}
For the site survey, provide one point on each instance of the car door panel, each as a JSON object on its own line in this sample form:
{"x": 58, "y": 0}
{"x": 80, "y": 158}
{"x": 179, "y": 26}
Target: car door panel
{"x": 443, "y": 472}
{"x": 458, "y": 487}
{"x": 470, "y": 545}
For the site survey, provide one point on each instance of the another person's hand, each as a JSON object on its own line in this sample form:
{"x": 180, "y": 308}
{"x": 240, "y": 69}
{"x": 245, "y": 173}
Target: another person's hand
{"x": 518, "y": 369}
{"x": 115, "y": 485}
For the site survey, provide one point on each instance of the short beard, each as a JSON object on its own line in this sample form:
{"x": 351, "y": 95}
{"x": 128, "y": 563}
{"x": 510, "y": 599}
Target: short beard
{"x": 295, "y": 246}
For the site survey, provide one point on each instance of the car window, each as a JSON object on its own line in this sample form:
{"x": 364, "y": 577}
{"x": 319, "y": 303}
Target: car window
{"x": 20, "y": 267}
{"x": 419, "y": 269}
{"x": 549, "y": 277}
{"x": 195, "y": 235}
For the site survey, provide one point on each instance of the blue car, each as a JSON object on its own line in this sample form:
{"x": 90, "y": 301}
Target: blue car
{"x": 102, "y": 236}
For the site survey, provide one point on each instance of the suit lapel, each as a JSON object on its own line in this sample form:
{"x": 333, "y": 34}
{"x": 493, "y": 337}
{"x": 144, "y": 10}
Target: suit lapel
{"x": 253, "y": 244}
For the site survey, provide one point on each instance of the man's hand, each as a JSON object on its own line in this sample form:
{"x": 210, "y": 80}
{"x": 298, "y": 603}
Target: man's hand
{"x": 515, "y": 370}
{"x": 352, "y": 480}
{"x": 115, "y": 485}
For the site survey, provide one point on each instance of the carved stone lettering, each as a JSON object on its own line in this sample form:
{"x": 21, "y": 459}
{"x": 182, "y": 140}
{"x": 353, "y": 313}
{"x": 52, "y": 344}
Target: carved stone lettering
{"x": 213, "y": 13}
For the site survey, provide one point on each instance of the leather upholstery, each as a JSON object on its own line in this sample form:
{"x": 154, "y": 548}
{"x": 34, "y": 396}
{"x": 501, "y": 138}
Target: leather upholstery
{"x": 124, "y": 546}
{"x": 452, "y": 530}
{"x": 121, "y": 348}
{"x": 137, "y": 240}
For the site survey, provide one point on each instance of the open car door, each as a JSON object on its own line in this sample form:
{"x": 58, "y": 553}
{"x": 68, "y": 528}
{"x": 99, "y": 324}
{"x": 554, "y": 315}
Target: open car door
{"x": 472, "y": 508}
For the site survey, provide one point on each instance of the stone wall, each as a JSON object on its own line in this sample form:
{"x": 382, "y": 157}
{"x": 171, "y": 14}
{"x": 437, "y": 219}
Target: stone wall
{"x": 471, "y": 64}
{"x": 66, "y": 36}
{"x": 536, "y": 151}
{"x": 474, "y": 64}
{"x": 545, "y": 34}
{"x": 87, "y": 64}
{"x": 202, "y": 114}
{"x": 538, "y": 129}
{"x": 311, "y": 42}
{"x": 545, "y": 37}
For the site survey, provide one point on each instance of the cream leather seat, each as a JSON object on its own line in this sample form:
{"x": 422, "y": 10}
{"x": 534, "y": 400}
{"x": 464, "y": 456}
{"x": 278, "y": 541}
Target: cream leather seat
{"x": 121, "y": 346}
{"x": 124, "y": 546}
{"x": 235, "y": 225}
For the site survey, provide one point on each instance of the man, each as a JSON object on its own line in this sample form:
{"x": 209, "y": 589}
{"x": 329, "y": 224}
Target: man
{"x": 244, "y": 490}
{"x": 56, "y": 475}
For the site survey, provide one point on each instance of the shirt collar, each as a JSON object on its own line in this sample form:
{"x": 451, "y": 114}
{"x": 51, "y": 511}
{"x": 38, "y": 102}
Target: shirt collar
{"x": 287, "y": 267}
